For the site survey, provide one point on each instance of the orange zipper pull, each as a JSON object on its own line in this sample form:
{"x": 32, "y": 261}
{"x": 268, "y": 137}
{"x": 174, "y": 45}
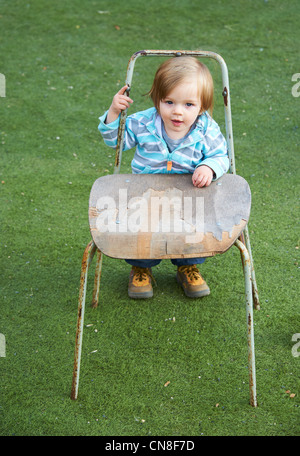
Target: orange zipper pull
{"x": 169, "y": 166}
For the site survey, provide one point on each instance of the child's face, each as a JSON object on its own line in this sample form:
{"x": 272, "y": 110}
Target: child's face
{"x": 180, "y": 108}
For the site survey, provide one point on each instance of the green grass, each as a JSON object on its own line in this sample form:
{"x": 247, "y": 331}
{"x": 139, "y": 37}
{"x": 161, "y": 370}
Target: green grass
{"x": 63, "y": 61}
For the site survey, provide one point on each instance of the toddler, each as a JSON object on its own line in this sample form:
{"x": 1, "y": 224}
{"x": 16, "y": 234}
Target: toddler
{"x": 177, "y": 135}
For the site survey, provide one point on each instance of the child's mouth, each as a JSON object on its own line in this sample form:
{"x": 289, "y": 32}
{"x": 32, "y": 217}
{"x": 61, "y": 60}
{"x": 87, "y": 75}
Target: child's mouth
{"x": 177, "y": 122}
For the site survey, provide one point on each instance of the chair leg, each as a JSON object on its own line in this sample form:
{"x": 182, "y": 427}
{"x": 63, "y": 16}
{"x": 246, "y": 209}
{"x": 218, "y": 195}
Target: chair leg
{"x": 254, "y": 286}
{"x": 97, "y": 279}
{"x": 245, "y": 238}
{"x": 86, "y": 261}
{"x": 250, "y": 328}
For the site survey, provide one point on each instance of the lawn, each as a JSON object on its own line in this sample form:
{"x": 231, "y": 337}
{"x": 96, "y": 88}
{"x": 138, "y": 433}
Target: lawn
{"x": 169, "y": 366}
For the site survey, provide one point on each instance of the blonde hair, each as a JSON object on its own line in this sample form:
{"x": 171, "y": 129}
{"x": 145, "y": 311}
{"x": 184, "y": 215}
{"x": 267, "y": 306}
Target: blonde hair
{"x": 177, "y": 69}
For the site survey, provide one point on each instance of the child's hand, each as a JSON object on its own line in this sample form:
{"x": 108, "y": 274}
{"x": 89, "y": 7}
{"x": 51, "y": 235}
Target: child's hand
{"x": 120, "y": 102}
{"x": 202, "y": 176}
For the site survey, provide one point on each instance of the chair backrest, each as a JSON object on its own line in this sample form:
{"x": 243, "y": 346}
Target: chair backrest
{"x": 174, "y": 53}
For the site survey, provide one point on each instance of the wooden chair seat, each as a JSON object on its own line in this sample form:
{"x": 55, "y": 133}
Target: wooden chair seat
{"x": 165, "y": 216}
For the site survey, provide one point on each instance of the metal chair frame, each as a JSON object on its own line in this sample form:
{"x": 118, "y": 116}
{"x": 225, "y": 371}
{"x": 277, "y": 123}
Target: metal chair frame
{"x": 242, "y": 243}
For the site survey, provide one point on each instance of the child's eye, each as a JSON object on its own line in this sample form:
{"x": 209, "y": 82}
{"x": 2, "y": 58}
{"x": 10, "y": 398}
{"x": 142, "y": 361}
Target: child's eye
{"x": 169, "y": 102}
{"x": 189, "y": 104}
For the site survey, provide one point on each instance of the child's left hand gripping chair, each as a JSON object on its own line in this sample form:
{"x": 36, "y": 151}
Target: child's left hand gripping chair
{"x": 125, "y": 220}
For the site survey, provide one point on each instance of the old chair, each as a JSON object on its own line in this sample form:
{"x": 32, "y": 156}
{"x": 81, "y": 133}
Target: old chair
{"x": 174, "y": 219}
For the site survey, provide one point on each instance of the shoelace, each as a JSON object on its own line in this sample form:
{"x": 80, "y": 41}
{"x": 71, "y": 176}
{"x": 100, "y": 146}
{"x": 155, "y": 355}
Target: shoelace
{"x": 142, "y": 273}
{"x": 191, "y": 271}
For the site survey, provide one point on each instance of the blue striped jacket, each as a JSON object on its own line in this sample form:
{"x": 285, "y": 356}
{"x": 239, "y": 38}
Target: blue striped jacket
{"x": 205, "y": 145}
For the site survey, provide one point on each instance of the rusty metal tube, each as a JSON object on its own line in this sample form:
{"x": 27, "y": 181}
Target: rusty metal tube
{"x": 249, "y": 314}
{"x": 256, "y": 302}
{"x": 98, "y": 271}
{"x": 245, "y": 239}
{"x": 86, "y": 261}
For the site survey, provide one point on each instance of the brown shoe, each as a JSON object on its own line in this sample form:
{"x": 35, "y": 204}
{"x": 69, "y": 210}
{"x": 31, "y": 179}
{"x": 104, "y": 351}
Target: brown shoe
{"x": 140, "y": 283}
{"x": 191, "y": 281}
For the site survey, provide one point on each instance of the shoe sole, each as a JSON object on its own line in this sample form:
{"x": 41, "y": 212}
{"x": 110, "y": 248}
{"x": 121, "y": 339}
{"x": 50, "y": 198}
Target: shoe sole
{"x": 140, "y": 295}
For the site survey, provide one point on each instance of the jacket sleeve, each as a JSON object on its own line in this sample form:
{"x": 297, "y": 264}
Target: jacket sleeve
{"x": 215, "y": 154}
{"x": 109, "y": 133}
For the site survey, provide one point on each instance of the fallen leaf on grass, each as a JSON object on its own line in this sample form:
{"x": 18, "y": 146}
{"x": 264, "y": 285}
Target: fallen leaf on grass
{"x": 167, "y": 383}
{"x": 291, "y": 395}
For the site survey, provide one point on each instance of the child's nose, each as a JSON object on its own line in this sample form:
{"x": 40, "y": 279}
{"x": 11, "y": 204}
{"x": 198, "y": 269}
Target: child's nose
{"x": 177, "y": 109}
